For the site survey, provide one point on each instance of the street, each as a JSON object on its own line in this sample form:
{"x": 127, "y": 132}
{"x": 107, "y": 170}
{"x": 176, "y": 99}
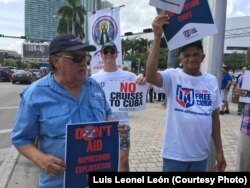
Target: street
{"x": 9, "y": 97}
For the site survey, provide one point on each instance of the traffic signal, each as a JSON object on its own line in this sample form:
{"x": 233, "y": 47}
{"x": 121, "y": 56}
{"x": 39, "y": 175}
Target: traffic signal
{"x": 25, "y": 37}
{"x": 128, "y": 33}
{"x": 148, "y": 30}
{"x": 1, "y": 35}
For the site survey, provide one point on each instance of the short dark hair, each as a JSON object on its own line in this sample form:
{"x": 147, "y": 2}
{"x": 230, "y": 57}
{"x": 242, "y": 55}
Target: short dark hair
{"x": 196, "y": 43}
{"x": 225, "y": 67}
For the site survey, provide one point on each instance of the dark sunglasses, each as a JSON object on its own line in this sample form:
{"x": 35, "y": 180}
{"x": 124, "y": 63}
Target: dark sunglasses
{"x": 106, "y": 51}
{"x": 75, "y": 58}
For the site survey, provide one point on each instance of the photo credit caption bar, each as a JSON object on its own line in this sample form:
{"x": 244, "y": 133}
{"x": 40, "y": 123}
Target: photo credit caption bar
{"x": 97, "y": 179}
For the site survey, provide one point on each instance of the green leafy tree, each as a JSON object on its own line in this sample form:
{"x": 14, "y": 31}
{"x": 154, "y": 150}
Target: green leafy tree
{"x": 235, "y": 61}
{"x": 163, "y": 59}
{"x": 1, "y": 60}
{"x": 9, "y": 62}
{"x": 135, "y": 50}
{"x": 72, "y": 18}
{"x": 19, "y": 63}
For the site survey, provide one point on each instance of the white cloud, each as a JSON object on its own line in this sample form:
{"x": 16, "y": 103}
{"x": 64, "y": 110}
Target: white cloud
{"x": 8, "y": 1}
{"x": 135, "y": 16}
{"x": 236, "y": 8}
{"x": 12, "y": 44}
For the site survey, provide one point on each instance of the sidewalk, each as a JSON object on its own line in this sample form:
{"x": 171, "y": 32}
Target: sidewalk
{"x": 147, "y": 131}
{"x": 146, "y": 140}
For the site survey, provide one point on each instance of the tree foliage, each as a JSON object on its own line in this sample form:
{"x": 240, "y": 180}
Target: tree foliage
{"x": 135, "y": 50}
{"x": 235, "y": 61}
{"x": 1, "y": 59}
{"x": 72, "y": 18}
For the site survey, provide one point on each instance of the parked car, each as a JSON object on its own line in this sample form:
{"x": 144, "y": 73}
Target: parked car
{"x": 9, "y": 70}
{"x": 35, "y": 73}
{"x": 4, "y": 76}
{"x": 22, "y": 76}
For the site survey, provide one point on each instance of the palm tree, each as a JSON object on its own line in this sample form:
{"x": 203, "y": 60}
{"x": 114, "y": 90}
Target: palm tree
{"x": 72, "y": 18}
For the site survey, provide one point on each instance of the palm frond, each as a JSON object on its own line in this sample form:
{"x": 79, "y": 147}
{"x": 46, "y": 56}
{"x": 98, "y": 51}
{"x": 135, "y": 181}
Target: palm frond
{"x": 72, "y": 18}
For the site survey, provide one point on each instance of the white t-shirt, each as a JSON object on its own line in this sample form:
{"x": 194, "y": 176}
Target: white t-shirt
{"x": 118, "y": 75}
{"x": 191, "y": 101}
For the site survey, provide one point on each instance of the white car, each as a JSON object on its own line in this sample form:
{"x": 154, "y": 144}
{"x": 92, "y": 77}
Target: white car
{"x": 36, "y": 73}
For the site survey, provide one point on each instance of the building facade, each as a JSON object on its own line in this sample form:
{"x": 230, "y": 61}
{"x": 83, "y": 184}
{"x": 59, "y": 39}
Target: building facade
{"x": 41, "y": 18}
{"x": 9, "y": 54}
{"x": 237, "y": 34}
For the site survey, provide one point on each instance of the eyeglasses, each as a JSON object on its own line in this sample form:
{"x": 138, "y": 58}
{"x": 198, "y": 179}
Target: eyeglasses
{"x": 75, "y": 58}
{"x": 105, "y": 52}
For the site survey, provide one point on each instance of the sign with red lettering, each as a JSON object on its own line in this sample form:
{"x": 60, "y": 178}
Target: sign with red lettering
{"x": 125, "y": 96}
{"x": 90, "y": 147}
{"x": 195, "y": 22}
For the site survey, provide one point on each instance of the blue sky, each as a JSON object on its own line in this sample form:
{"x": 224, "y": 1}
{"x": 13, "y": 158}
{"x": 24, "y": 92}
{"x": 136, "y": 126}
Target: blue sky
{"x": 12, "y": 17}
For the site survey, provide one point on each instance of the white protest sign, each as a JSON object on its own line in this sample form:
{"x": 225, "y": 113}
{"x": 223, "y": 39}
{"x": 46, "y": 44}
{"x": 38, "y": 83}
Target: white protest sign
{"x": 246, "y": 86}
{"x": 125, "y": 96}
{"x": 169, "y": 5}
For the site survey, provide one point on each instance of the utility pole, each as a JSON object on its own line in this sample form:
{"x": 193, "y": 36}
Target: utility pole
{"x": 214, "y": 50}
{"x": 171, "y": 61}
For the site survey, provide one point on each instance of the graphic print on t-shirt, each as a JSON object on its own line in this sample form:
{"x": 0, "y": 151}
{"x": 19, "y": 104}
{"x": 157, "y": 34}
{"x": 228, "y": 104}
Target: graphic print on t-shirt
{"x": 185, "y": 96}
{"x": 188, "y": 97}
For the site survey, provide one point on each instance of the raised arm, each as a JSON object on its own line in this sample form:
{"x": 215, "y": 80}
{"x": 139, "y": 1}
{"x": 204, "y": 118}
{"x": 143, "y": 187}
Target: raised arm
{"x": 152, "y": 76}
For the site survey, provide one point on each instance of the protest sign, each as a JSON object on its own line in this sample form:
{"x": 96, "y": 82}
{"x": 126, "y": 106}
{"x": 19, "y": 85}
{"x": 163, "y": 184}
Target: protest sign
{"x": 125, "y": 96}
{"x": 246, "y": 86}
{"x": 169, "y": 5}
{"x": 194, "y": 23}
{"x": 90, "y": 147}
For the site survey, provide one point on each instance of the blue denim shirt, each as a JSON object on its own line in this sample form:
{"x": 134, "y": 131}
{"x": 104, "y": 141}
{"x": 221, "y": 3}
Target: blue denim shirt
{"x": 44, "y": 111}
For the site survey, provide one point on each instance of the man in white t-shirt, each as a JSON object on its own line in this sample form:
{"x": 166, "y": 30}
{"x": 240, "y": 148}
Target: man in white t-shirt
{"x": 111, "y": 72}
{"x": 192, "y": 115}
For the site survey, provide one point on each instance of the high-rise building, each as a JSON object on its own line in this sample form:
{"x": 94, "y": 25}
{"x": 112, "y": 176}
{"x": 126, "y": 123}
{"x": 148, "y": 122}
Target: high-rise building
{"x": 106, "y": 4}
{"x": 91, "y": 5}
{"x": 41, "y": 19}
